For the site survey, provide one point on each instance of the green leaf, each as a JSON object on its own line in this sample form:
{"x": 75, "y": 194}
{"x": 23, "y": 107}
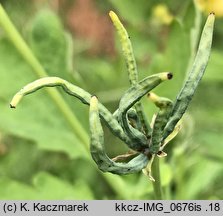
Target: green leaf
{"x": 214, "y": 68}
{"x": 173, "y": 59}
{"x": 45, "y": 186}
{"x": 189, "y": 16}
{"x": 11, "y": 189}
{"x": 51, "y": 187}
{"x": 21, "y": 159}
{"x": 202, "y": 176}
{"x": 211, "y": 145}
{"x": 126, "y": 187}
{"x": 207, "y": 112}
{"x": 49, "y": 43}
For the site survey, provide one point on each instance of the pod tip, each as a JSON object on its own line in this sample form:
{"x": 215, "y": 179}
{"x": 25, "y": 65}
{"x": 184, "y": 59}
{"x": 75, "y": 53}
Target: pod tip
{"x": 94, "y": 99}
{"x": 112, "y": 14}
{"x": 15, "y": 100}
{"x": 12, "y": 106}
{"x": 152, "y": 96}
{"x": 94, "y": 96}
{"x": 169, "y": 76}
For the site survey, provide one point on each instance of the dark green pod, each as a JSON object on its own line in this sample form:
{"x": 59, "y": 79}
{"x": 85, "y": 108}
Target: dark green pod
{"x": 184, "y": 97}
{"x": 165, "y": 107}
{"x": 97, "y": 148}
{"x": 131, "y": 67}
{"x": 130, "y": 97}
{"x": 135, "y": 93}
{"x": 75, "y": 91}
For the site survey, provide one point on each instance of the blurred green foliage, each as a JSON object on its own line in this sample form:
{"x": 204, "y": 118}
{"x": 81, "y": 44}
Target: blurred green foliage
{"x": 41, "y": 158}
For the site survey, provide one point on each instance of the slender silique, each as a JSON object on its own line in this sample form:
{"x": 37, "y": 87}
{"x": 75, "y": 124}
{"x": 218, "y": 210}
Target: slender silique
{"x": 194, "y": 77}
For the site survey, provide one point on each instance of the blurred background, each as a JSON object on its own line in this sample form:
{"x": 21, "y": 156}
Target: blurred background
{"x": 42, "y": 157}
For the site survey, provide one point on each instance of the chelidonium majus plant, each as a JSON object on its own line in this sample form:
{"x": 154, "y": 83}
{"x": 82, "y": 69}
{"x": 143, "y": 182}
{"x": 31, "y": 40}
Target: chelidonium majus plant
{"x": 129, "y": 122}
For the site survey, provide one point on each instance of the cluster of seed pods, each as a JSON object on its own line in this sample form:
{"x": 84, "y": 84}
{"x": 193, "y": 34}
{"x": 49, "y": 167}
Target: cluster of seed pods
{"x": 128, "y": 122}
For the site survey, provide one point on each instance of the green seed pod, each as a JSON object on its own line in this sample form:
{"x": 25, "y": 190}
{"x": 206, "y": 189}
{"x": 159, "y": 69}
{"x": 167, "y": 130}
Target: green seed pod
{"x": 165, "y": 105}
{"x": 144, "y": 124}
{"x": 97, "y": 148}
{"x": 126, "y": 48}
{"x": 131, "y": 66}
{"x": 131, "y": 96}
{"x": 75, "y": 91}
{"x": 135, "y": 93}
{"x": 184, "y": 97}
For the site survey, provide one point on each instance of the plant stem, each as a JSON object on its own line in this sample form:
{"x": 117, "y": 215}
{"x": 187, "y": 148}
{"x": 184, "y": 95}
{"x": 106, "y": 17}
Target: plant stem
{"x": 157, "y": 183}
{"x": 194, "y": 37}
{"x": 27, "y": 54}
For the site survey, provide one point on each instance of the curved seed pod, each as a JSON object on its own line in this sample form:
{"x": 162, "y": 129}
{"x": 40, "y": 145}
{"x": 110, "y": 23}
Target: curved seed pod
{"x": 131, "y": 96}
{"x": 165, "y": 106}
{"x": 135, "y": 93}
{"x": 98, "y": 153}
{"x": 126, "y": 48}
{"x": 131, "y": 66}
{"x": 51, "y": 82}
{"x": 139, "y": 140}
{"x": 135, "y": 128}
{"x": 145, "y": 126}
{"x": 75, "y": 91}
{"x": 184, "y": 97}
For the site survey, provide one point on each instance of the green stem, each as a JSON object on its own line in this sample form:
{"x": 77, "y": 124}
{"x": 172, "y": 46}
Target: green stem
{"x": 157, "y": 183}
{"x": 194, "y": 37}
{"x": 27, "y": 54}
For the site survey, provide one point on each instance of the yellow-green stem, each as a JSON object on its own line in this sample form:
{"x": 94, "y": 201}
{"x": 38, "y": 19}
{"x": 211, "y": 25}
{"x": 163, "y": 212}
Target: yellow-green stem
{"x": 157, "y": 183}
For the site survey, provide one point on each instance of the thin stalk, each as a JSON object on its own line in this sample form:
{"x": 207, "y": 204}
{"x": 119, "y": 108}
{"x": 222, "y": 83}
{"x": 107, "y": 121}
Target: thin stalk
{"x": 194, "y": 37}
{"x": 28, "y": 55}
{"x": 157, "y": 183}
